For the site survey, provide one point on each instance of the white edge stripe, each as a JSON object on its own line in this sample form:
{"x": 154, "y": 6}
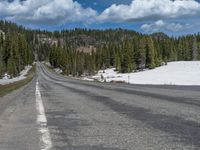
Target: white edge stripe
{"x": 45, "y": 138}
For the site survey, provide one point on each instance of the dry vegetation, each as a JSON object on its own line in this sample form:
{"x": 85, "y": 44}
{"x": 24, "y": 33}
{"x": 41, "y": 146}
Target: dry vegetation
{"x": 5, "y": 89}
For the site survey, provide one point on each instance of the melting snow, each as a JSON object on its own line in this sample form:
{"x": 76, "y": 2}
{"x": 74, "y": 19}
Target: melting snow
{"x": 175, "y": 73}
{"x": 22, "y": 76}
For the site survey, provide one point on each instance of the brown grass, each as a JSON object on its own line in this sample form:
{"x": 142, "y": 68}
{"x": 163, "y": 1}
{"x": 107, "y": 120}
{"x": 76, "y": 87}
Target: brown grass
{"x": 5, "y": 89}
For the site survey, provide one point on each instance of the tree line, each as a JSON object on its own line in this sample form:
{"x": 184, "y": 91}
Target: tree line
{"x": 125, "y": 50}
{"x": 15, "y": 51}
{"x": 137, "y": 52}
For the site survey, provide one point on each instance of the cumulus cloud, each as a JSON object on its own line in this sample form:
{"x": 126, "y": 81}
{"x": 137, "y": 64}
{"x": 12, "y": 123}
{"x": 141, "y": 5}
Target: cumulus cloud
{"x": 150, "y": 9}
{"x": 57, "y": 12}
{"x": 45, "y": 11}
{"x": 160, "y": 25}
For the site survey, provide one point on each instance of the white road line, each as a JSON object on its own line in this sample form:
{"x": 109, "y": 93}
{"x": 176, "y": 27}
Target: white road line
{"x": 45, "y": 138}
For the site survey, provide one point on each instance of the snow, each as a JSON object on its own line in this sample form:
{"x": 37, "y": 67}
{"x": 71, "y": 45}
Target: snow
{"x": 87, "y": 79}
{"x": 22, "y": 76}
{"x": 58, "y": 70}
{"x": 174, "y": 73}
{"x": 6, "y": 76}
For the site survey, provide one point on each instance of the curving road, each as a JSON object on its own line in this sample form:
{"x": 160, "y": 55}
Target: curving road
{"x": 58, "y": 113}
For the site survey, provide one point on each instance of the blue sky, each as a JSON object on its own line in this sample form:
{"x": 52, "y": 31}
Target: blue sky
{"x": 101, "y": 5}
{"x": 174, "y": 17}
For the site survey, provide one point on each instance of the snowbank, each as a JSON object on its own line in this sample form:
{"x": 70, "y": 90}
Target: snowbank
{"x": 175, "y": 73}
{"x": 58, "y": 70}
{"x": 87, "y": 78}
{"x": 22, "y": 76}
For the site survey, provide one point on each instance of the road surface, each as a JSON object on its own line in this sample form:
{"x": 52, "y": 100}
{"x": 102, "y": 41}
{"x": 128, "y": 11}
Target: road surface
{"x": 53, "y": 112}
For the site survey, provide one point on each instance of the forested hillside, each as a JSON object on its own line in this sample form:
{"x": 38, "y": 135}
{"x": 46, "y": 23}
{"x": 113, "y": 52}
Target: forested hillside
{"x": 15, "y": 50}
{"x": 85, "y": 51}
{"x": 122, "y": 49}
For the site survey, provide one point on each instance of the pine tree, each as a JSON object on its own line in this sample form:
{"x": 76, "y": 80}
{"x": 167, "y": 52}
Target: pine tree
{"x": 194, "y": 49}
{"x": 127, "y": 61}
{"x": 141, "y": 54}
{"x": 117, "y": 61}
{"x": 150, "y": 61}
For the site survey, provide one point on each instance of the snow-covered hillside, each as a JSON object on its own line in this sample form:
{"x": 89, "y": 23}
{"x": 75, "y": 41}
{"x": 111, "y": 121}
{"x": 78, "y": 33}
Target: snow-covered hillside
{"x": 175, "y": 73}
{"x": 22, "y": 76}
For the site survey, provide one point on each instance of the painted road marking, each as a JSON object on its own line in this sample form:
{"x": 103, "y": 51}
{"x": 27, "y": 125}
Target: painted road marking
{"x": 45, "y": 138}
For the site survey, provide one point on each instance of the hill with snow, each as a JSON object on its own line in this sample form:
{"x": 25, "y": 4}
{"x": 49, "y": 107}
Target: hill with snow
{"x": 174, "y": 73}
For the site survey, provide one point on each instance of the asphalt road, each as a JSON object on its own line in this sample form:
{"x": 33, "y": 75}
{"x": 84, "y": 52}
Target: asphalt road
{"x": 58, "y": 113}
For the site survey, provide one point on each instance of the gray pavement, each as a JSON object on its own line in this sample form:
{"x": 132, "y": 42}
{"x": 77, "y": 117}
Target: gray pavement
{"x": 85, "y": 115}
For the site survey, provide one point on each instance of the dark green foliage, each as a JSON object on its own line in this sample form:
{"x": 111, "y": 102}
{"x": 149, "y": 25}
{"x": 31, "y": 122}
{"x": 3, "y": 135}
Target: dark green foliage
{"x": 15, "y": 51}
{"x": 123, "y": 49}
{"x": 150, "y": 54}
{"x": 129, "y": 53}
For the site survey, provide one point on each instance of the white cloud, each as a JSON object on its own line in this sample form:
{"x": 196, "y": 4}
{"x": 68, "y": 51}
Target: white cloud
{"x": 160, "y": 25}
{"x": 45, "y": 11}
{"x": 150, "y": 9}
{"x": 56, "y": 12}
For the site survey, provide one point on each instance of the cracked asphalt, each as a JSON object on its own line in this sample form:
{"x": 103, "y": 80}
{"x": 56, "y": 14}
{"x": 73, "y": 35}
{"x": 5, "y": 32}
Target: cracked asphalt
{"x": 85, "y": 115}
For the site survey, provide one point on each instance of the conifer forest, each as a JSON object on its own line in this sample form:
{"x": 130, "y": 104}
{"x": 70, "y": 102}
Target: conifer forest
{"x": 85, "y": 51}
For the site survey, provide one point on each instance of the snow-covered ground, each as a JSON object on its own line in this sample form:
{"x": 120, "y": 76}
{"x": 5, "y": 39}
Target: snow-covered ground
{"x": 22, "y": 76}
{"x": 175, "y": 73}
{"x": 58, "y": 70}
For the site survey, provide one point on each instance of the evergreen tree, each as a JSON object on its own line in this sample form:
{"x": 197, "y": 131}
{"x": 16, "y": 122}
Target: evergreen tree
{"x": 194, "y": 49}
{"x": 150, "y": 54}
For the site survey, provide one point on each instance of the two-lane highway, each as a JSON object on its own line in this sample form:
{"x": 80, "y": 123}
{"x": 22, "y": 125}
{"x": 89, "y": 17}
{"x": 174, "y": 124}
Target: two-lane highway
{"x": 54, "y": 112}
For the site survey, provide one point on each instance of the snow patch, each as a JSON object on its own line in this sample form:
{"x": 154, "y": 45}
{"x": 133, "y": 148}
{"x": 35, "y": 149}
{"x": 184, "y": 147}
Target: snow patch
{"x": 22, "y": 76}
{"x": 175, "y": 73}
{"x": 87, "y": 79}
{"x": 58, "y": 70}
